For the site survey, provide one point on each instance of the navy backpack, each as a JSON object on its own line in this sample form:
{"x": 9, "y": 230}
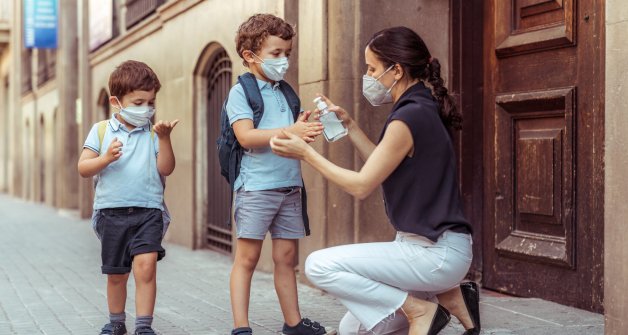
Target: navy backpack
{"x": 230, "y": 151}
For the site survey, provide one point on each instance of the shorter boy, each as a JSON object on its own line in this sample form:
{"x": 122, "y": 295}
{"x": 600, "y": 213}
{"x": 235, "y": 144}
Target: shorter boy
{"x": 130, "y": 157}
{"x": 268, "y": 188}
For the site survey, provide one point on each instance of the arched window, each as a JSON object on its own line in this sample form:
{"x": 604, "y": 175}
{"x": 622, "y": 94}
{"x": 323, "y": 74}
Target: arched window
{"x": 104, "y": 108}
{"x": 214, "y": 79}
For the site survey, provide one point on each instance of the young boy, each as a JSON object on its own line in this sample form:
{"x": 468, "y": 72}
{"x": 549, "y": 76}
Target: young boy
{"x": 268, "y": 189}
{"x": 129, "y": 157}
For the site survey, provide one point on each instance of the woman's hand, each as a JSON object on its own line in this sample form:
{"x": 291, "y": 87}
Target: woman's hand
{"x": 290, "y": 146}
{"x": 342, "y": 114}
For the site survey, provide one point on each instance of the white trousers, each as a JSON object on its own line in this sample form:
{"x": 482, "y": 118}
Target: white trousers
{"x": 374, "y": 279}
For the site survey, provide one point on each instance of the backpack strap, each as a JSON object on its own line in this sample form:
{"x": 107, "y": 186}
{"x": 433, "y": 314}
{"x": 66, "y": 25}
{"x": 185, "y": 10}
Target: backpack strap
{"x": 102, "y": 128}
{"x": 253, "y": 96}
{"x": 292, "y": 98}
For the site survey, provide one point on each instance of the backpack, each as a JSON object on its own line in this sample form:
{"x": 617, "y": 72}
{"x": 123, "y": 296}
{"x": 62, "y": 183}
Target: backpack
{"x": 230, "y": 151}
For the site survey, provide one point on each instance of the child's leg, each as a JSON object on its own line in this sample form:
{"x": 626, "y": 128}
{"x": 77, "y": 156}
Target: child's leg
{"x": 246, "y": 257}
{"x": 146, "y": 250}
{"x": 116, "y": 292}
{"x": 145, "y": 273}
{"x": 284, "y": 256}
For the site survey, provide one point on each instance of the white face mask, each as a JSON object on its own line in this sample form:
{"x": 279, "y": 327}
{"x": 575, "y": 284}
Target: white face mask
{"x": 274, "y": 68}
{"x": 375, "y": 92}
{"x": 136, "y": 115}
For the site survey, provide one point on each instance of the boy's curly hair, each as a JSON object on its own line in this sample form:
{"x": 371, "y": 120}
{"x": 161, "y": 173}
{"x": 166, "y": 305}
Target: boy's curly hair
{"x": 132, "y": 76}
{"x": 252, "y": 33}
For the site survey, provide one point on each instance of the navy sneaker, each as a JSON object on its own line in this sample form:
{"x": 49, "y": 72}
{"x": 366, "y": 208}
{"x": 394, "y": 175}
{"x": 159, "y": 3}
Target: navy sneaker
{"x": 307, "y": 327}
{"x": 145, "y": 331}
{"x": 114, "y": 328}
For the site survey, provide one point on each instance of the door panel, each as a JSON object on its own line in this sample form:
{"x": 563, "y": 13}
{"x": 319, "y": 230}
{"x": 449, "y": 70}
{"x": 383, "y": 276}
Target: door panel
{"x": 543, "y": 150}
{"x": 534, "y": 202}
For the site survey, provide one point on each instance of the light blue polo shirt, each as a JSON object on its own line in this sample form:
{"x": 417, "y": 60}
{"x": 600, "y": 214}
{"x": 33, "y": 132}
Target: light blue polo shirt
{"x": 261, "y": 169}
{"x": 133, "y": 180}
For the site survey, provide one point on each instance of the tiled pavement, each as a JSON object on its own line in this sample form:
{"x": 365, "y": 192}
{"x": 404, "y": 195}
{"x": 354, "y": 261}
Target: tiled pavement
{"x": 50, "y": 283}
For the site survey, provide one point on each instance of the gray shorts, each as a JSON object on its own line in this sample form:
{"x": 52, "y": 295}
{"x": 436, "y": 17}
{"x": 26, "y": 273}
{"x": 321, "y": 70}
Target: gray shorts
{"x": 276, "y": 211}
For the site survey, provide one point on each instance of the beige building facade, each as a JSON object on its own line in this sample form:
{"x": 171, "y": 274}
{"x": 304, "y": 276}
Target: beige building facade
{"x": 50, "y": 99}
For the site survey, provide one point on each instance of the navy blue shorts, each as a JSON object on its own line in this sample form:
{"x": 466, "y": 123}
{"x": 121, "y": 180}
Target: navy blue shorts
{"x": 126, "y": 232}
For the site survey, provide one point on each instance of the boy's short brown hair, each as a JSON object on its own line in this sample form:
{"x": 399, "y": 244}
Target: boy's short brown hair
{"x": 131, "y": 76}
{"x": 252, "y": 33}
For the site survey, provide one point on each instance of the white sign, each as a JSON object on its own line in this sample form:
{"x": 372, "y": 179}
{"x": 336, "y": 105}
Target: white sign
{"x": 100, "y": 22}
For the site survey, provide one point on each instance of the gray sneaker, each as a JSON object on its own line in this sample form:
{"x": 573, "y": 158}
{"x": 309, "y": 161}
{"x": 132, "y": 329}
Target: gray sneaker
{"x": 114, "y": 328}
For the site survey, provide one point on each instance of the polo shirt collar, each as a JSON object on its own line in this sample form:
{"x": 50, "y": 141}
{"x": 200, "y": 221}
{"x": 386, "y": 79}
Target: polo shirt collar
{"x": 261, "y": 84}
{"x": 115, "y": 124}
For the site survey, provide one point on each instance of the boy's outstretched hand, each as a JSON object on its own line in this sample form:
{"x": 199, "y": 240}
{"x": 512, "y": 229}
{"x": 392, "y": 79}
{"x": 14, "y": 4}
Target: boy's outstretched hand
{"x": 308, "y": 131}
{"x": 164, "y": 128}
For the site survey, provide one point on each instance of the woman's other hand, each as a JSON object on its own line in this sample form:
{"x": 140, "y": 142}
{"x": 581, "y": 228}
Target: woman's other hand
{"x": 289, "y": 145}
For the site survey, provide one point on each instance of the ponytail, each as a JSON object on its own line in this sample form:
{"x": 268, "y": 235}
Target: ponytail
{"x": 448, "y": 111}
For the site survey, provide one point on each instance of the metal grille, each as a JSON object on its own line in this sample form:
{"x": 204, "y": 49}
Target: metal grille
{"x": 46, "y": 65}
{"x": 218, "y": 215}
{"x": 136, "y": 10}
{"x": 27, "y": 84}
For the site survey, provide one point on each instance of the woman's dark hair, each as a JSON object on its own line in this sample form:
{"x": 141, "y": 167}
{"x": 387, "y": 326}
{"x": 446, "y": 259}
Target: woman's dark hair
{"x": 401, "y": 45}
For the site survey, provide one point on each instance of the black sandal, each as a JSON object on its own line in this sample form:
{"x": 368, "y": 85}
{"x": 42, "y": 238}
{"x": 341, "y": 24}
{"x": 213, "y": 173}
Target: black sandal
{"x": 440, "y": 320}
{"x": 471, "y": 297}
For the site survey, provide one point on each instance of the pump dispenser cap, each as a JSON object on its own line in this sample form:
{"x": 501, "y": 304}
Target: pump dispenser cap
{"x": 320, "y": 103}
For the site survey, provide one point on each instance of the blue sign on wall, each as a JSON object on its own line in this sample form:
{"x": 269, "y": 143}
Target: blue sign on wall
{"x": 40, "y": 23}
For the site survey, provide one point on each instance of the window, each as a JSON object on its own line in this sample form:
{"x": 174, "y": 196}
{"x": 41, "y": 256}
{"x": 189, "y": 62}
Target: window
{"x": 136, "y": 10}
{"x": 46, "y": 65}
{"x": 27, "y": 84}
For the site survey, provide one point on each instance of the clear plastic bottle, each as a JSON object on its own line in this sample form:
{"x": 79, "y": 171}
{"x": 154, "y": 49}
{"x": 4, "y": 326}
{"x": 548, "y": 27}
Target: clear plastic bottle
{"x": 333, "y": 127}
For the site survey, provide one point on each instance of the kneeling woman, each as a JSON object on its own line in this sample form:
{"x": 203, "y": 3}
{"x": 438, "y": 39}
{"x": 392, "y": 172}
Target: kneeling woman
{"x": 415, "y": 163}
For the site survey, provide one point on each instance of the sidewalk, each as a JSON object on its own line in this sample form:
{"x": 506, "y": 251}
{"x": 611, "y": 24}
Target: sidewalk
{"x": 50, "y": 283}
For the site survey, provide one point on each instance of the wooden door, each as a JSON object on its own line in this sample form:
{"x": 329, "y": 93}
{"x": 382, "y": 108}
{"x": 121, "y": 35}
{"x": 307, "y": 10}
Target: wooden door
{"x": 543, "y": 149}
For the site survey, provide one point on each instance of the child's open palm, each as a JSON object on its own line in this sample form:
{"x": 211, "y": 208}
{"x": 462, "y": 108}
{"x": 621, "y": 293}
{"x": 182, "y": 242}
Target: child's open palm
{"x": 164, "y": 128}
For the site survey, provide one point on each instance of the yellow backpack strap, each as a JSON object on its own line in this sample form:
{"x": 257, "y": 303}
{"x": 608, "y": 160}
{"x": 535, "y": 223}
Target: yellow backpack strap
{"x": 102, "y": 127}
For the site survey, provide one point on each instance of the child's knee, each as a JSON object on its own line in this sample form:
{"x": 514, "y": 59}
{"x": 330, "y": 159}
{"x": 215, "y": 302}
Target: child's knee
{"x": 247, "y": 262}
{"x": 144, "y": 264}
{"x": 285, "y": 257}
{"x": 117, "y": 279}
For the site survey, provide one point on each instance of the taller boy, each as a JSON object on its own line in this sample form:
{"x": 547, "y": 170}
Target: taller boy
{"x": 129, "y": 155}
{"x": 268, "y": 188}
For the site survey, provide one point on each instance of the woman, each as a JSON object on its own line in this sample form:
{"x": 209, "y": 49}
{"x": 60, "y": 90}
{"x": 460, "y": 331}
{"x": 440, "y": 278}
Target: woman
{"x": 415, "y": 163}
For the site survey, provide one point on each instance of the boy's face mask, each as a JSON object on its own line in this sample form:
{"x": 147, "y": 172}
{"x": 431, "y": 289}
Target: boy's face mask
{"x": 274, "y": 68}
{"x": 375, "y": 92}
{"x": 136, "y": 115}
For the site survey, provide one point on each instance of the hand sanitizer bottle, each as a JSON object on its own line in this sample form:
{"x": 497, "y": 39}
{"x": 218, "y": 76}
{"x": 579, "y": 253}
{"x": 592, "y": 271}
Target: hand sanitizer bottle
{"x": 333, "y": 127}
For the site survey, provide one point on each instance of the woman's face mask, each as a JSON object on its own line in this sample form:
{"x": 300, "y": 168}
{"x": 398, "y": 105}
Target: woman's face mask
{"x": 274, "y": 68}
{"x": 374, "y": 91}
{"x": 136, "y": 115}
